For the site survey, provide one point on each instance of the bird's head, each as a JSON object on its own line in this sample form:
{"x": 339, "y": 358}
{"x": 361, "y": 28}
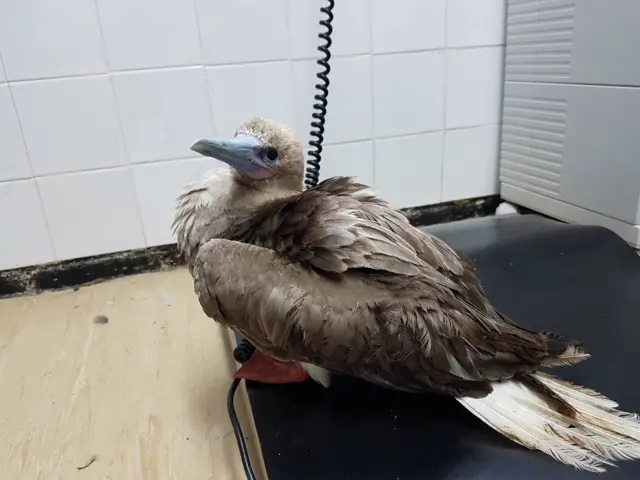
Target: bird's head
{"x": 262, "y": 152}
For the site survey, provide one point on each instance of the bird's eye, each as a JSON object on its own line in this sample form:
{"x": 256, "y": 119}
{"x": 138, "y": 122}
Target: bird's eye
{"x": 271, "y": 153}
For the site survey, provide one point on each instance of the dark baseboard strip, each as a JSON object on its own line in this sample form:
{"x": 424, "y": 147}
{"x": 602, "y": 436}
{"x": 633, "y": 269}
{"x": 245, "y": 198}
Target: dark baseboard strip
{"x": 83, "y": 271}
{"x": 452, "y": 211}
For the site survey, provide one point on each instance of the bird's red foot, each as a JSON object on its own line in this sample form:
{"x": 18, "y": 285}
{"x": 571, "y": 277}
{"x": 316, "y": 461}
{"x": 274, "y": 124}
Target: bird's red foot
{"x": 264, "y": 369}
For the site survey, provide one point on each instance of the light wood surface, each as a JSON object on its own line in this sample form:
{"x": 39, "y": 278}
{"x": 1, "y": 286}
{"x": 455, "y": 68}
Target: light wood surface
{"x": 144, "y": 393}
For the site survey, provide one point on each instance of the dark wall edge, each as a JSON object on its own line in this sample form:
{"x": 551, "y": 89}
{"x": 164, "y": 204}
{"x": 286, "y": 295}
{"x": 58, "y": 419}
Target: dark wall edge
{"x": 84, "y": 271}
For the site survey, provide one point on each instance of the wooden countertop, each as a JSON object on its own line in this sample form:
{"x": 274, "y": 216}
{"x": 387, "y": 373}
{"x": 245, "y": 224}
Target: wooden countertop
{"x": 143, "y": 393}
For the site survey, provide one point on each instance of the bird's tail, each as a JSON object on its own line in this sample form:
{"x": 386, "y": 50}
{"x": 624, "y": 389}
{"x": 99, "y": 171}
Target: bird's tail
{"x": 573, "y": 424}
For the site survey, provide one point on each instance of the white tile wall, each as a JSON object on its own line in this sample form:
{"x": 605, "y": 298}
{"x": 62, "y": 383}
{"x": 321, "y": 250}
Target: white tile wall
{"x": 408, "y": 93}
{"x": 469, "y": 167}
{"x": 241, "y": 91}
{"x": 408, "y": 169}
{"x": 138, "y": 34}
{"x": 474, "y": 86}
{"x": 14, "y": 163}
{"x": 163, "y": 112}
{"x": 474, "y": 23}
{"x": 70, "y": 124}
{"x": 158, "y": 185}
{"x": 24, "y": 239}
{"x": 243, "y": 31}
{"x": 408, "y": 25}
{"x": 49, "y": 38}
{"x": 351, "y": 27}
{"x": 350, "y": 160}
{"x": 349, "y": 117}
{"x": 100, "y": 101}
{"x": 90, "y": 213}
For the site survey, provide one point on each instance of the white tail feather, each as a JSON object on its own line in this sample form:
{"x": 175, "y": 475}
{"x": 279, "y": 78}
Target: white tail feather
{"x": 594, "y": 437}
{"x": 572, "y": 355}
{"x": 603, "y": 414}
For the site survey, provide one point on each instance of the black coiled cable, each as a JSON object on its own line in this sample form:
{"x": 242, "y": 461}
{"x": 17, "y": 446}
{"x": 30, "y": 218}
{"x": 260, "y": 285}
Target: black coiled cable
{"x": 317, "y": 125}
{"x": 244, "y": 350}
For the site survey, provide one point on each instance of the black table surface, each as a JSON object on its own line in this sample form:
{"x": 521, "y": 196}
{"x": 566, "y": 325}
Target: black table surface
{"x": 580, "y": 281}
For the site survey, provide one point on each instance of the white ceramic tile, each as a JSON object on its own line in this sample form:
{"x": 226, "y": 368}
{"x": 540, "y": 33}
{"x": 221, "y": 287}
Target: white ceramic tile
{"x": 408, "y": 92}
{"x": 145, "y": 33}
{"x": 91, "y": 213}
{"x": 163, "y": 112}
{"x": 408, "y": 25}
{"x": 13, "y": 158}
{"x": 471, "y": 163}
{"x": 474, "y": 86}
{"x": 158, "y": 185}
{"x": 408, "y": 169}
{"x": 351, "y": 27}
{"x": 69, "y": 124}
{"x": 242, "y": 91}
{"x": 474, "y": 23}
{"x": 24, "y": 240}
{"x": 349, "y": 113}
{"x": 243, "y": 30}
{"x": 50, "y": 38}
{"x": 348, "y": 160}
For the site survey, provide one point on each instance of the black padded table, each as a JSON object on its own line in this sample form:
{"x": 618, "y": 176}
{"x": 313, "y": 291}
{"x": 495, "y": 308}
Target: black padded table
{"x": 580, "y": 281}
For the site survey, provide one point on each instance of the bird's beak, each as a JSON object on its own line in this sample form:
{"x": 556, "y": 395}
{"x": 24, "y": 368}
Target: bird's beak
{"x": 241, "y": 152}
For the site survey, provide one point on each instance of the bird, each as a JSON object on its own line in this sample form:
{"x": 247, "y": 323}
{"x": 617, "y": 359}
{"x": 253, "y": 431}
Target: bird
{"x": 330, "y": 280}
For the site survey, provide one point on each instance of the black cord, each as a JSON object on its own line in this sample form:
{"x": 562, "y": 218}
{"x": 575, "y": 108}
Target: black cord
{"x": 317, "y": 127}
{"x": 244, "y": 350}
{"x": 237, "y": 430}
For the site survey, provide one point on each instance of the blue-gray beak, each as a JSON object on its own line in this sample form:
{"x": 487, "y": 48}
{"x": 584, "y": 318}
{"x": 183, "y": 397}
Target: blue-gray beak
{"x": 242, "y": 152}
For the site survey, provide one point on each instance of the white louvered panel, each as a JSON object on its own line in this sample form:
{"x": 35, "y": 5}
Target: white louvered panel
{"x": 542, "y": 8}
{"x": 532, "y": 143}
{"x": 539, "y": 40}
{"x": 571, "y": 108}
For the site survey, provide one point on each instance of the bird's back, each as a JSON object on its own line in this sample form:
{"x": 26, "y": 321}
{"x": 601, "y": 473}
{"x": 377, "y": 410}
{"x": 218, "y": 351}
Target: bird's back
{"x": 406, "y": 308}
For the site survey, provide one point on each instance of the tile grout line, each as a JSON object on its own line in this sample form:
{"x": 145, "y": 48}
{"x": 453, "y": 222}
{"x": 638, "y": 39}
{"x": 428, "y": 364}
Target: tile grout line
{"x": 132, "y": 166}
{"x": 135, "y": 165}
{"x": 212, "y": 116}
{"x": 200, "y": 42}
{"x": 237, "y": 64}
{"x": 445, "y": 90}
{"x": 31, "y": 170}
{"x": 131, "y": 175}
{"x": 292, "y": 90}
{"x": 372, "y": 85}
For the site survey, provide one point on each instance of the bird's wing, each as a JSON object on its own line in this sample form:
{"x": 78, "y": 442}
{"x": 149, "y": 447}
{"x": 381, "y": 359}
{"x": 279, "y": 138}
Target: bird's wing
{"x": 324, "y": 285}
{"x": 341, "y": 225}
{"x": 336, "y": 227}
{"x": 427, "y": 247}
{"x": 356, "y": 327}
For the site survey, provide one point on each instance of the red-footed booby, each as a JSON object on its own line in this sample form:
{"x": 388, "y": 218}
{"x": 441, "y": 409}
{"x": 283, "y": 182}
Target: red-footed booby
{"x": 332, "y": 280}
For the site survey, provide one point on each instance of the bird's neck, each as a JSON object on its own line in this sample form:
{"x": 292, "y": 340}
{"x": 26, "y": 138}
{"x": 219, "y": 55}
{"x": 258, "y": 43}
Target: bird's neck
{"x": 212, "y": 206}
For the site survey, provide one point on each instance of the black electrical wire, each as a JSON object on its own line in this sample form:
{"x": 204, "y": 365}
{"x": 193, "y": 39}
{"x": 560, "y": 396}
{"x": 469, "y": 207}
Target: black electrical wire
{"x": 244, "y": 350}
{"x": 242, "y": 353}
{"x": 237, "y": 430}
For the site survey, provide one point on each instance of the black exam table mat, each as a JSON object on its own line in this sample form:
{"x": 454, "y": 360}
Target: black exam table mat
{"x": 580, "y": 281}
